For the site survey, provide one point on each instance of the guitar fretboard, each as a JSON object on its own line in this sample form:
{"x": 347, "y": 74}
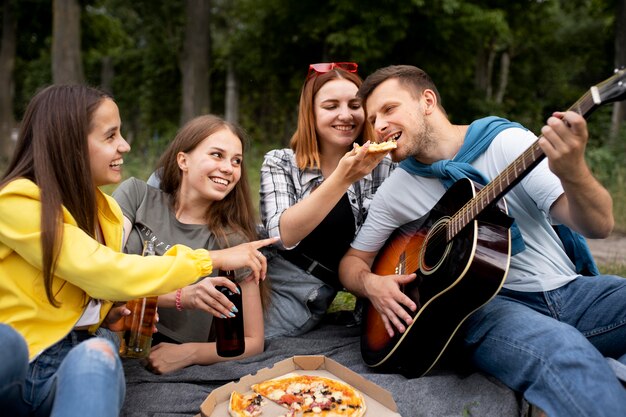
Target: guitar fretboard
{"x": 511, "y": 175}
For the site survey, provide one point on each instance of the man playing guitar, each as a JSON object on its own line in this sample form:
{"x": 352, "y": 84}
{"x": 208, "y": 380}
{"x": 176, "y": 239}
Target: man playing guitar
{"x": 548, "y": 330}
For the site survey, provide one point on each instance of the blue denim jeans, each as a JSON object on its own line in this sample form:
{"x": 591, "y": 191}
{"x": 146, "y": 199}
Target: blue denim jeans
{"x": 551, "y": 346}
{"x": 71, "y": 378}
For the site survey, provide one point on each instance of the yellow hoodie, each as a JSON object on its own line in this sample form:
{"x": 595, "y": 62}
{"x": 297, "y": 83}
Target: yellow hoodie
{"x": 85, "y": 268}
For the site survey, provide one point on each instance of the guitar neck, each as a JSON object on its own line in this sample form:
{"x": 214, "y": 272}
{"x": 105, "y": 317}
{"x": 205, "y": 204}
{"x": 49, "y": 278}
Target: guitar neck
{"x": 512, "y": 174}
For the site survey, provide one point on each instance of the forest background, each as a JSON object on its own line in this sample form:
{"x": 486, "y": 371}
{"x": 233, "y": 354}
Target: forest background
{"x": 168, "y": 61}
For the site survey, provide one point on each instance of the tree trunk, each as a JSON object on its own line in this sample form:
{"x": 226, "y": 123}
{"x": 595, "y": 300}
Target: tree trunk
{"x": 7, "y": 65}
{"x": 67, "y": 67}
{"x": 232, "y": 94}
{"x": 619, "y": 108}
{"x": 484, "y": 69}
{"x": 107, "y": 72}
{"x": 195, "y": 60}
{"x": 505, "y": 64}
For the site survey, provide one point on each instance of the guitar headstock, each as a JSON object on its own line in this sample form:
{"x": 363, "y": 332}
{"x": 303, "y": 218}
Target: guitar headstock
{"x": 610, "y": 90}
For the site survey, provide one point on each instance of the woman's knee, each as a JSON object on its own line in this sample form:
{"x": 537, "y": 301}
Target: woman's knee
{"x": 12, "y": 343}
{"x": 97, "y": 351}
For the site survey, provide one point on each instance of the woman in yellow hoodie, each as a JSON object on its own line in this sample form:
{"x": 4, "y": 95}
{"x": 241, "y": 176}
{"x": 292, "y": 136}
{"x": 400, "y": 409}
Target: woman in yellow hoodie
{"x": 60, "y": 261}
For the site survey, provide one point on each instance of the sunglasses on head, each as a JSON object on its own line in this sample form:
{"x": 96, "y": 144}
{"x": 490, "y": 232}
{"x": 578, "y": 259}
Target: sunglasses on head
{"x": 325, "y": 67}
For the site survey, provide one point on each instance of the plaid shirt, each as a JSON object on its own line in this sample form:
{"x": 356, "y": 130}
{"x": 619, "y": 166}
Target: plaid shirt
{"x": 283, "y": 184}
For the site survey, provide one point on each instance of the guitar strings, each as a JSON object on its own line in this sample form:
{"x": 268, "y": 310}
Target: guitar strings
{"x": 499, "y": 185}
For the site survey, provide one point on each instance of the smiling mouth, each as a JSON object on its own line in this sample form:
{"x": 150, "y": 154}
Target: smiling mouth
{"x": 220, "y": 181}
{"x": 117, "y": 163}
{"x": 393, "y": 137}
{"x": 344, "y": 128}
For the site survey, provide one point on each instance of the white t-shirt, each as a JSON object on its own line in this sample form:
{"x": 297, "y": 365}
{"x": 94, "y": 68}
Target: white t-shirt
{"x": 91, "y": 315}
{"x": 542, "y": 266}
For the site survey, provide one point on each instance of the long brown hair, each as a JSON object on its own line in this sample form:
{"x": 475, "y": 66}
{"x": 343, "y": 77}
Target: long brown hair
{"x": 304, "y": 141}
{"x": 52, "y": 151}
{"x": 234, "y": 213}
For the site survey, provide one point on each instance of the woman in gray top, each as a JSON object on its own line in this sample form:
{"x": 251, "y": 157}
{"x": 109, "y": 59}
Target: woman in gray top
{"x": 203, "y": 202}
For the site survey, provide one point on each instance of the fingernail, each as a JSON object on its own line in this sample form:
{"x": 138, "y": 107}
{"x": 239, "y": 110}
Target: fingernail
{"x": 234, "y": 309}
{"x": 223, "y": 316}
{"x": 231, "y": 314}
{"x": 238, "y": 292}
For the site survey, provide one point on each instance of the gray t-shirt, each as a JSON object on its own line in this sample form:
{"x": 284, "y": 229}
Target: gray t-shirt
{"x": 150, "y": 212}
{"x": 542, "y": 266}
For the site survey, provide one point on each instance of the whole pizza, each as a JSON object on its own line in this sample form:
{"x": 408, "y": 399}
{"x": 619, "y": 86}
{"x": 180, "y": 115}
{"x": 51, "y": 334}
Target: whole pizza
{"x": 302, "y": 395}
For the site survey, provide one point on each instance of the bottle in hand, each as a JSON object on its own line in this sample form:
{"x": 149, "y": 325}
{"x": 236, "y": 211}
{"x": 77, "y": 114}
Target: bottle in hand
{"x": 229, "y": 332}
{"x": 137, "y": 338}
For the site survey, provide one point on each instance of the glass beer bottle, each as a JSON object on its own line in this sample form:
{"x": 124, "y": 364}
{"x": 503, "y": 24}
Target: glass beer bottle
{"x": 139, "y": 324}
{"x": 229, "y": 332}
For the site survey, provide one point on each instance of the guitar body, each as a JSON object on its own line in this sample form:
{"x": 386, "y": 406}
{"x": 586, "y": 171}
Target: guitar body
{"x": 453, "y": 280}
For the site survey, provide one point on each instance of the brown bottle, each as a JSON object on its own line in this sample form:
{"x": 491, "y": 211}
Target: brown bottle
{"x": 229, "y": 334}
{"x": 137, "y": 338}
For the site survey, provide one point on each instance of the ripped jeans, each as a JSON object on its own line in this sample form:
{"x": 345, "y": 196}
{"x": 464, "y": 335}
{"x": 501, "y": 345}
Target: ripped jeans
{"x": 78, "y": 376}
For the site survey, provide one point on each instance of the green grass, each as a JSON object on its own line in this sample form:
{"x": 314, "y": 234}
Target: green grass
{"x": 343, "y": 301}
{"x": 613, "y": 269}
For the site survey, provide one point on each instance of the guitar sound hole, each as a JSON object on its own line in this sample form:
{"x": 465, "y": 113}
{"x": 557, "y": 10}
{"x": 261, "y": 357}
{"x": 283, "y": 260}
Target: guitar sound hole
{"x": 433, "y": 255}
{"x": 435, "y": 248}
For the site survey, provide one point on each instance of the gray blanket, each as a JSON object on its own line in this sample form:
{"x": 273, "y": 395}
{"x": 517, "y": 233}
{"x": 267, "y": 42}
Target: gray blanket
{"x": 439, "y": 394}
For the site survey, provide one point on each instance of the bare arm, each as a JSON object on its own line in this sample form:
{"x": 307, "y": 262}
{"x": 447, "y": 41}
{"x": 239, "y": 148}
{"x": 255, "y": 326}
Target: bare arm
{"x": 202, "y": 296}
{"x": 168, "y": 357}
{"x": 300, "y": 219}
{"x": 128, "y": 227}
{"x": 242, "y": 256}
{"x": 586, "y": 206}
{"x": 382, "y": 291}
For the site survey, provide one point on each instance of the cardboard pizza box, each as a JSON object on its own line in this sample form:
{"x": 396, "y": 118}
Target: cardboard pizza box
{"x": 379, "y": 401}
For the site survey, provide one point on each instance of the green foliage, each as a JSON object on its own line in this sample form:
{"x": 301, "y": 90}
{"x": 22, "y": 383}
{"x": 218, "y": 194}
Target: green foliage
{"x": 557, "y": 50}
{"x": 607, "y": 165}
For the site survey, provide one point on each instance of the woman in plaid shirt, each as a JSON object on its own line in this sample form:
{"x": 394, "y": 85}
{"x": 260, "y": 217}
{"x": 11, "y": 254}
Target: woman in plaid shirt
{"x": 315, "y": 196}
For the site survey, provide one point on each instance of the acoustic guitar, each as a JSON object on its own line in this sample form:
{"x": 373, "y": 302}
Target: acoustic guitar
{"x": 460, "y": 251}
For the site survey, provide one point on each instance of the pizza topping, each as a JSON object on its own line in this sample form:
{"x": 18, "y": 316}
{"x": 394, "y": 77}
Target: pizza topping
{"x": 276, "y": 395}
{"x": 289, "y": 399}
{"x": 295, "y": 388}
{"x": 249, "y": 405}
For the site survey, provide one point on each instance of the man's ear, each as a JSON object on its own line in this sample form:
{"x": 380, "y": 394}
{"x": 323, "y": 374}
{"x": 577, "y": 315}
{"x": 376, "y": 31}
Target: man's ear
{"x": 430, "y": 101}
{"x": 181, "y": 159}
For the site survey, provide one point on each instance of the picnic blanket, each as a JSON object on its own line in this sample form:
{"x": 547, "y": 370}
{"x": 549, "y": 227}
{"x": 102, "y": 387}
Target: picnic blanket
{"x": 439, "y": 394}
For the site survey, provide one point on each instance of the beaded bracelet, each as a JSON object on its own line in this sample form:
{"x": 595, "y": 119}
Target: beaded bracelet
{"x": 179, "y": 305}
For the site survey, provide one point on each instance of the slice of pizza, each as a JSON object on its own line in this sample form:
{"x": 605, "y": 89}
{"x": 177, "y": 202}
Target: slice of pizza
{"x": 319, "y": 395}
{"x": 375, "y": 147}
{"x": 245, "y": 405}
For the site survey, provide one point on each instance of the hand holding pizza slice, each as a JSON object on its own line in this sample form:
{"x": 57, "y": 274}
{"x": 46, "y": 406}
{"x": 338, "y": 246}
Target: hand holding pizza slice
{"x": 379, "y": 147}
